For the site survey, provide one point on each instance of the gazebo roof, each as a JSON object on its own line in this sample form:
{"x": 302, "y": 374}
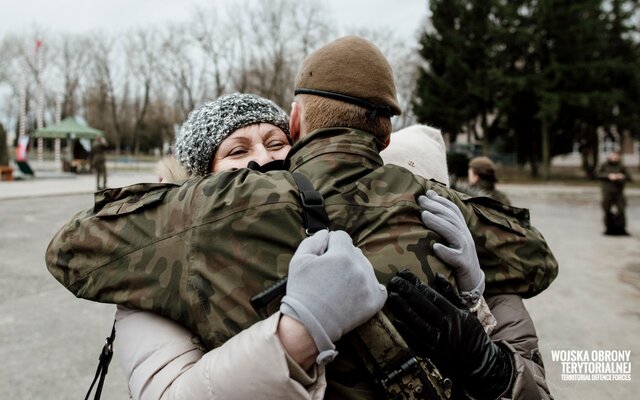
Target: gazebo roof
{"x": 68, "y": 128}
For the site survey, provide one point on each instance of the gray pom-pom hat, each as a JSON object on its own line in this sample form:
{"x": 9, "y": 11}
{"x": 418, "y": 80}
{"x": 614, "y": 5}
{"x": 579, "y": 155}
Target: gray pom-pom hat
{"x": 207, "y": 126}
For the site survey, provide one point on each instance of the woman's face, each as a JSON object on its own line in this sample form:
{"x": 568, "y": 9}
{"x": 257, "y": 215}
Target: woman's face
{"x": 472, "y": 177}
{"x": 261, "y": 143}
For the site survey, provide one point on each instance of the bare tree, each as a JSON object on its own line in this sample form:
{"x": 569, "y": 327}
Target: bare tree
{"x": 283, "y": 33}
{"x": 182, "y": 69}
{"x": 70, "y": 60}
{"x": 143, "y": 52}
{"x": 240, "y": 56}
{"x": 107, "y": 94}
{"x": 8, "y": 51}
{"x": 310, "y": 25}
{"x": 404, "y": 61}
{"x": 9, "y": 80}
{"x": 17, "y": 68}
{"x": 137, "y": 86}
{"x": 215, "y": 41}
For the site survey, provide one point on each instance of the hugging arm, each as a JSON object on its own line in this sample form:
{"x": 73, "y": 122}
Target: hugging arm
{"x": 270, "y": 359}
{"x": 162, "y": 360}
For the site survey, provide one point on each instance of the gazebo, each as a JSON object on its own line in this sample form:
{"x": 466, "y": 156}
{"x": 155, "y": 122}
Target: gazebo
{"x": 69, "y": 129}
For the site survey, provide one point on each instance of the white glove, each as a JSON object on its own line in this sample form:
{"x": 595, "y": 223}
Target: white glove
{"x": 444, "y": 217}
{"x": 331, "y": 289}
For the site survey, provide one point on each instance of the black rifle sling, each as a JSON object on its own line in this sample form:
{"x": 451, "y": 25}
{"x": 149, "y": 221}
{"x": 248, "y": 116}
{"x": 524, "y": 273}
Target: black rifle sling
{"x": 103, "y": 366}
{"x": 313, "y": 212}
{"x": 384, "y": 353}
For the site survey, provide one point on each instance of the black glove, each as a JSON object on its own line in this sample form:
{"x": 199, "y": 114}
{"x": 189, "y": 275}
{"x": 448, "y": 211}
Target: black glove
{"x": 451, "y": 337}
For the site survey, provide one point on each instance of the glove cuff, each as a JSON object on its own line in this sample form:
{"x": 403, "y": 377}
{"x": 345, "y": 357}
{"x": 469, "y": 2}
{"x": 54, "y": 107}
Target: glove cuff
{"x": 473, "y": 296}
{"x": 298, "y": 311}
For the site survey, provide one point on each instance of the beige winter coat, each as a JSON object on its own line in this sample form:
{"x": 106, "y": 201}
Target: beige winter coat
{"x": 163, "y": 361}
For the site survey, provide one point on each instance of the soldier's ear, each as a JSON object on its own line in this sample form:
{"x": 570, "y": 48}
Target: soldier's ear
{"x": 294, "y": 122}
{"x": 386, "y": 142}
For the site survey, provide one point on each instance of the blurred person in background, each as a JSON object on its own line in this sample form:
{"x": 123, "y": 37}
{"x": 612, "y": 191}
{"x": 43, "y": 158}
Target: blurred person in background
{"x": 613, "y": 176}
{"x": 99, "y": 162}
{"x": 482, "y": 175}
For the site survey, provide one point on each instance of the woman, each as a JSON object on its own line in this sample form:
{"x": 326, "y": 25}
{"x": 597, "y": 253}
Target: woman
{"x": 161, "y": 358}
{"x": 482, "y": 175}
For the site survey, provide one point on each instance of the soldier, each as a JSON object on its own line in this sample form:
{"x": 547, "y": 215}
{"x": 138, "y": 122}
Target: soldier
{"x": 197, "y": 252}
{"x": 482, "y": 175}
{"x": 613, "y": 176}
{"x": 98, "y": 161}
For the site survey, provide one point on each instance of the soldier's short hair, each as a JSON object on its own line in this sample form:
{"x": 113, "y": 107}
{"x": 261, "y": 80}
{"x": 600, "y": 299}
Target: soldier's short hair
{"x": 322, "y": 112}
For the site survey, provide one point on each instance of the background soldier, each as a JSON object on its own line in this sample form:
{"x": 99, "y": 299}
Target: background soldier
{"x": 613, "y": 176}
{"x": 98, "y": 161}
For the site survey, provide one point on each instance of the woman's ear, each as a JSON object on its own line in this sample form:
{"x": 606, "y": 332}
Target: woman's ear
{"x": 294, "y": 122}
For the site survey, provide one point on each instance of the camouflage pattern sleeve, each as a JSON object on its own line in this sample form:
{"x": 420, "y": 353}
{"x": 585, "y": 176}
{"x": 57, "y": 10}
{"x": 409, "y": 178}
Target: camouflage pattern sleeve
{"x": 514, "y": 255}
{"x": 194, "y": 253}
{"x": 136, "y": 246}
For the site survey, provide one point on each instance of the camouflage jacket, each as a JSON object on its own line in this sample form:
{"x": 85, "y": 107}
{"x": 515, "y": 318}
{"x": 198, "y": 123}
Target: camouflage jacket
{"x": 197, "y": 252}
{"x": 97, "y": 154}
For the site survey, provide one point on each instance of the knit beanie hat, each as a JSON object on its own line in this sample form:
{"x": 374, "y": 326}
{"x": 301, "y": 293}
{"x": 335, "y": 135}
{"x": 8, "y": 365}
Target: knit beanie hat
{"x": 207, "y": 126}
{"x": 421, "y": 150}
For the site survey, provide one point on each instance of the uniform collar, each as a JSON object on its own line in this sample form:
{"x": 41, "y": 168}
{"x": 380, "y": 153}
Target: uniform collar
{"x": 329, "y": 143}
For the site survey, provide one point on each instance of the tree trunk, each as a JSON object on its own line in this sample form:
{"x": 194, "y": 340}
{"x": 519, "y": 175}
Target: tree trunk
{"x": 589, "y": 152}
{"x": 534, "y": 158}
{"x": 595, "y": 155}
{"x": 546, "y": 151}
{"x": 485, "y": 135}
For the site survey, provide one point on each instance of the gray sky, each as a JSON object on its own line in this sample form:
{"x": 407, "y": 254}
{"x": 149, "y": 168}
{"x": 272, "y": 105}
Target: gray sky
{"x": 403, "y": 16}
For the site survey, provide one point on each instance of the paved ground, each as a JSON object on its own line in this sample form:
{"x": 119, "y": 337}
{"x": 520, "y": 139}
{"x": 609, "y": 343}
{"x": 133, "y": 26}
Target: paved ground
{"x": 50, "y": 341}
{"x": 594, "y": 302}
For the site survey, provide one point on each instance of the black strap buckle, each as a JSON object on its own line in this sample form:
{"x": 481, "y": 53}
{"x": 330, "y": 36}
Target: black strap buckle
{"x": 311, "y": 199}
{"x": 313, "y": 212}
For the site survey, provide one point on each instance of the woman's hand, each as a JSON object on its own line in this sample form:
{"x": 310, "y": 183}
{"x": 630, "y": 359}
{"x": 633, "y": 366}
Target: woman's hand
{"x": 331, "y": 289}
{"x": 444, "y": 217}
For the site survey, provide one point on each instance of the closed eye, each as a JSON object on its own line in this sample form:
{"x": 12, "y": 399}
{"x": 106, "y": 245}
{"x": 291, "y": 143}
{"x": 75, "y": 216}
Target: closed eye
{"x": 236, "y": 151}
{"x": 275, "y": 145}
